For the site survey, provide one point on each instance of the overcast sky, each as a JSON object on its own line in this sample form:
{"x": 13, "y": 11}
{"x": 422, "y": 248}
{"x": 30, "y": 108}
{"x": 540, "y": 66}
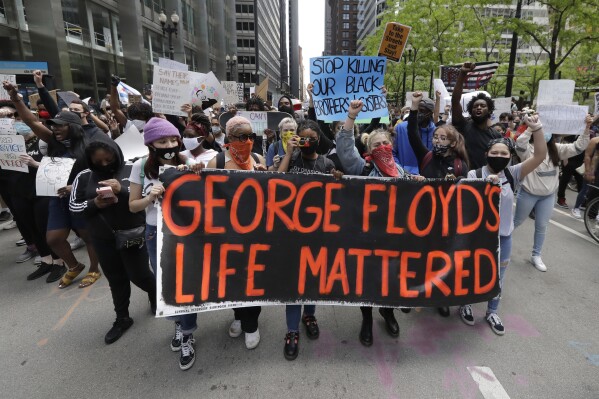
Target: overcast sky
{"x": 311, "y": 31}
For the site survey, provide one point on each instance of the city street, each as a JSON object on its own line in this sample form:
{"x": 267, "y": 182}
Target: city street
{"x": 53, "y": 340}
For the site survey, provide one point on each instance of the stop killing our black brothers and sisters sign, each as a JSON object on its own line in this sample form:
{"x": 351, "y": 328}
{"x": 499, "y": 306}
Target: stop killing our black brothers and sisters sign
{"x": 231, "y": 238}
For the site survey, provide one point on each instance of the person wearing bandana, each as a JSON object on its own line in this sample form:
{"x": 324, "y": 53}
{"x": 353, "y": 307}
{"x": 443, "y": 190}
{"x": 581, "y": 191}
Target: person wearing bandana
{"x": 278, "y": 149}
{"x": 498, "y": 155}
{"x": 378, "y": 163}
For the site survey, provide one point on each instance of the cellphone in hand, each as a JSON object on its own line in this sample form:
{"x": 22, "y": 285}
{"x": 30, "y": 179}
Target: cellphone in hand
{"x": 105, "y": 192}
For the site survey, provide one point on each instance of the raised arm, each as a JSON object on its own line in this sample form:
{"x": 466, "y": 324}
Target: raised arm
{"x": 352, "y": 162}
{"x": 540, "y": 146}
{"x": 589, "y": 172}
{"x": 456, "y": 97}
{"x": 98, "y": 122}
{"x": 115, "y": 105}
{"x": 45, "y": 96}
{"x": 37, "y": 128}
{"x": 437, "y": 110}
{"x": 416, "y": 143}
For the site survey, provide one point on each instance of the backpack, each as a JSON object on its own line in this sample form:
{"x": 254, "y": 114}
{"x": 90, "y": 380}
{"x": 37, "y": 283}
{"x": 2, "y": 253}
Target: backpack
{"x": 457, "y": 164}
{"x": 506, "y": 171}
{"x": 220, "y": 159}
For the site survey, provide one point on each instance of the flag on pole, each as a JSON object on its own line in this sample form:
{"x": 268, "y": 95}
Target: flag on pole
{"x": 125, "y": 90}
{"x": 480, "y": 76}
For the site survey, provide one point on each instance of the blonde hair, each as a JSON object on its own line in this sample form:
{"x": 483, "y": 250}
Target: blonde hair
{"x": 367, "y": 139}
{"x": 288, "y": 121}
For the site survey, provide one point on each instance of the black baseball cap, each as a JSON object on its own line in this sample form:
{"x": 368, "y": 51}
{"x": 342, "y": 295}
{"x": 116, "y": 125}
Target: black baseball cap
{"x": 65, "y": 117}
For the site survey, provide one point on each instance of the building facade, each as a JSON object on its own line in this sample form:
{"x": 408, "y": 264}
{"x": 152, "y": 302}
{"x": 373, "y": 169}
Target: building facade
{"x": 343, "y": 27}
{"x": 369, "y": 19}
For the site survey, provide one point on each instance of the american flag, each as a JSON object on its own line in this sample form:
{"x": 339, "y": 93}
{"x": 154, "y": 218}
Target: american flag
{"x": 480, "y": 76}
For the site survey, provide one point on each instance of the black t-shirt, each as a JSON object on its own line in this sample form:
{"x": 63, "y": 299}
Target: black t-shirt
{"x": 319, "y": 165}
{"x": 24, "y": 183}
{"x": 476, "y": 141}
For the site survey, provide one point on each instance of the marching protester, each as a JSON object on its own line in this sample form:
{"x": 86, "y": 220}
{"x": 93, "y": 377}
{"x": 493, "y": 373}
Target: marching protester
{"x": 539, "y": 188}
{"x": 277, "y": 150}
{"x": 476, "y": 131}
{"x": 306, "y": 160}
{"x": 65, "y": 138}
{"x": 238, "y": 155}
{"x": 381, "y": 164}
{"x": 117, "y": 234}
{"x": 498, "y": 155}
{"x": 138, "y": 114}
{"x": 196, "y": 139}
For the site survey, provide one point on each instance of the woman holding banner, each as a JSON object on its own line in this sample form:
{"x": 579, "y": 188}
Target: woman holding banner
{"x": 65, "y": 138}
{"x": 498, "y": 155}
{"x": 381, "y": 164}
{"x": 539, "y": 188}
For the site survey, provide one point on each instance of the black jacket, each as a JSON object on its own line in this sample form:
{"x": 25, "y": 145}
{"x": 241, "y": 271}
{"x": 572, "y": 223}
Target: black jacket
{"x": 114, "y": 217}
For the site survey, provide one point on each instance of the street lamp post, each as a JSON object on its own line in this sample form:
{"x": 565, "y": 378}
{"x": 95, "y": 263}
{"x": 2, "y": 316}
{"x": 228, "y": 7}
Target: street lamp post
{"x": 405, "y": 69}
{"x": 243, "y": 74}
{"x": 170, "y": 30}
{"x": 231, "y": 62}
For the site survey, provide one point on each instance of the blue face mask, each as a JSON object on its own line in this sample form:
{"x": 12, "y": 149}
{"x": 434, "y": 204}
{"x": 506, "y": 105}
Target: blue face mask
{"x": 22, "y": 128}
{"x": 547, "y": 136}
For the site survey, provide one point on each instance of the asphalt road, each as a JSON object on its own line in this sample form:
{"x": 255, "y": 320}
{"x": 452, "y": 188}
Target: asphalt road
{"x": 53, "y": 341}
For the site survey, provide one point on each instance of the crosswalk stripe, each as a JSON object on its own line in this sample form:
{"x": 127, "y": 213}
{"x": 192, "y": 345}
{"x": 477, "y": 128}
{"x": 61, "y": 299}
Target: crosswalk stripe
{"x": 488, "y": 384}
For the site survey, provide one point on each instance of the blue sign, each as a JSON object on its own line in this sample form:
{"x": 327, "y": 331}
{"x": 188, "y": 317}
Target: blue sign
{"x": 22, "y": 67}
{"x": 338, "y": 80}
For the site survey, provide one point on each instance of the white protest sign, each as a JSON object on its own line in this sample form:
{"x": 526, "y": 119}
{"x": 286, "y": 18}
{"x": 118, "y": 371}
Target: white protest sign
{"x": 440, "y": 86}
{"x": 170, "y": 91}
{"x": 502, "y": 104}
{"x": 230, "y": 96}
{"x": 170, "y": 64}
{"x": 68, "y": 97}
{"x": 409, "y": 97}
{"x": 466, "y": 97}
{"x": 11, "y": 147}
{"x": 596, "y": 103}
{"x": 203, "y": 87}
{"x": 240, "y": 92}
{"x": 7, "y": 126}
{"x": 131, "y": 143}
{"x": 563, "y": 119}
{"x": 52, "y": 174}
{"x": 12, "y": 79}
{"x": 258, "y": 119}
{"x": 559, "y": 91}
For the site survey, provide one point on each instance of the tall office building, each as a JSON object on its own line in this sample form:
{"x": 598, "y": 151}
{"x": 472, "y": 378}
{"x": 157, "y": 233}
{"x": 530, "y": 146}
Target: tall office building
{"x": 344, "y": 27}
{"x": 328, "y": 29}
{"x": 85, "y": 41}
{"x": 369, "y": 19}
{"x": 294, "y": 55}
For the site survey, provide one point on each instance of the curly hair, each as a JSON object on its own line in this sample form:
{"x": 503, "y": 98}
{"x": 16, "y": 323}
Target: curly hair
{"x": 140, "y": 111}
{"x": 202, "y": 119}
{"x": 481, "y": 96}
{"x": 255, "y": 101}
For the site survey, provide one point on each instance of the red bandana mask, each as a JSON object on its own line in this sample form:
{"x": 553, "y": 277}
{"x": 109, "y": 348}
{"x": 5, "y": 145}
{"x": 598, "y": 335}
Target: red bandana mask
{"x": 240, "y": 153}
{"x": 382, "y": 156}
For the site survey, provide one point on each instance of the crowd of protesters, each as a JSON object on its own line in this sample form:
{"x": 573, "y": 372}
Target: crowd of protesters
{"x": 110, "y": 202}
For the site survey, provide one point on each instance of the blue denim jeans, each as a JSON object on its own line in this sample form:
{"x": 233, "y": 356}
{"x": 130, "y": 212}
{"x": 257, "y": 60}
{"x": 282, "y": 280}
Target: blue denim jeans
{"x": 581, "y": 194}
{"x": 543, "y": 206}
{"x": 151, "y": 244}
{"x": 294, "y": 314}
{"x": 505, "y": 251}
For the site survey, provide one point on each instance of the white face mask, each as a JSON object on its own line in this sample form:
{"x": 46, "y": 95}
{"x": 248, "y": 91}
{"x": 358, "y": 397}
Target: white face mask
{"x": 139, "y": 124}
{"x": 215, "y": 129}
{"x": 191, "y": 143}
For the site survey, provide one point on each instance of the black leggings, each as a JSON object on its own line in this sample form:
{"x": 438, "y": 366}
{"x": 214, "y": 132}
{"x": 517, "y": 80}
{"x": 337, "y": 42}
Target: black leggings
{"x": 248, "y": 317}
{"x": 122, "y": 267}
{"x": 32, "y": 220}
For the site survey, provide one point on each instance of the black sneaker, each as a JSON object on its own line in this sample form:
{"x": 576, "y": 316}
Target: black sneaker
{"x": 391, "y": 324}
{"x": 495, "y": 323}
{"x": 443, "y": 311}
{"x": 118, "y": 328}
{"x": 56, "y": 273}
{"x": 188, "y": 353}
{"x": 176, "y": 341}
{"x": 312, "y": 330}
{"x": 42, "y": 269}
{"x": 466, "y": 314}
{"x": 291, "y": 345}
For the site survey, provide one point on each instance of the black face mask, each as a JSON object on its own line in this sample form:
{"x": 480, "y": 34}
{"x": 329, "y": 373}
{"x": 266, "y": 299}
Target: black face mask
{"x": 423, "y": 119}
{"x": 167, "y": 153}
{"x": 309, "y": 150}
{"x": 104, "y": 170}
{"x": 497, "y": 164}
{"x": 286, "y": 108}
{"x": 440, "y": 149}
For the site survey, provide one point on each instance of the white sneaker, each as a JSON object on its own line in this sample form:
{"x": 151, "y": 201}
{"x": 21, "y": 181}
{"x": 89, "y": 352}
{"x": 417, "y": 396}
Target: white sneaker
{"x": 10, "y": 225}
{"x": 77, "y": 243}
{"x": 576, "y": 213}
{"x": 538, "y": 263}
{"x": 235, "y": 329}
{"x": 252, "y": 339}
{"x": 37, "y": 260}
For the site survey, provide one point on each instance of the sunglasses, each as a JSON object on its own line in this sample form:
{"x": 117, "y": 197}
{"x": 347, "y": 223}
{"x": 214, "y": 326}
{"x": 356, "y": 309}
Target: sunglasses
{"x": 244, "y": 137}
{"x": 306, "y": 141}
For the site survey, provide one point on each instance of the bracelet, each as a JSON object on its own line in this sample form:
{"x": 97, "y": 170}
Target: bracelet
{"x": 353, "y": 119}
{"x": 536, "y": 130}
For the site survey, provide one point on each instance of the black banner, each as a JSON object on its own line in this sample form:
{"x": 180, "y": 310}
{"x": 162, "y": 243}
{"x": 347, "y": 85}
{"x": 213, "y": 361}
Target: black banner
{"x": 231, "y": 237}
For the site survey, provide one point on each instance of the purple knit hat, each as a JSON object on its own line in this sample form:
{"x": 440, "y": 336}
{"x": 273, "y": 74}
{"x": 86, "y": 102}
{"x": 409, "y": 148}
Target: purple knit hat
{"x": 157, "y": 128}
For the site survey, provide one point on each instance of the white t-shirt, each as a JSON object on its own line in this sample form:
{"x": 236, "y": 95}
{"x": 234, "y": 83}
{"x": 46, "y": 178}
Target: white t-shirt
{"x": 204, "y": 157}
{"x": 148, "y": 183}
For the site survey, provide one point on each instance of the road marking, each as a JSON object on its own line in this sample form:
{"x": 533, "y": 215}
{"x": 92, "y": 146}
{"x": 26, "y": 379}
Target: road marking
{"x": 488, "y": 384}
{"x": 42, "y": 342}
{"x": 569, "y": 214}
{"x": 576, "y": 233}
{"x": 64, "y": 318}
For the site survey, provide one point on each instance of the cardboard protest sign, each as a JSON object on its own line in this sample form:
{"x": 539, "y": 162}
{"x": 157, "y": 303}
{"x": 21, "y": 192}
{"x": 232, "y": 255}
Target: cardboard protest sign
{"x": 563, "y": 119}
{"x": 134, "y": 98}
{"x": 259, "y": 120}
{"x": 33, "y": 98}
{"x": 445, "y": 96}
{"x": 596, "y": 103}
{"x": 171, "y": 64}
{"x": 338, "y": 80}
{"x": 262, "y": 89}
{"x": 230, "y": 238}
{"x": 10, "y": 78}
{"x": 170, "y": 91}
{"x": 502, "y": 104}
{"x": 273, "y": 119}
{"x": 11, "y": 147}
{"x": 52, "y": 174}
{"x": 240, "y": 92}
{"x": 131, "y": 143}
{"x": 560, "y": 91}
{"x": 230, "y": 96}
{"x": 203, "y": 87}
{"x": 394, "y": 41}
{"x": 7, "y": 126}
{"x": 68, "y": 97}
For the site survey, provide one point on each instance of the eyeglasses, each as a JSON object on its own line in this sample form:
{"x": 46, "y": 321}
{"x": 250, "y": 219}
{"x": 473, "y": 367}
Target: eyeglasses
{"x": 305, "y": 140}
{"x": 439, "y": 138}
{"x": 244, "y": 137}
